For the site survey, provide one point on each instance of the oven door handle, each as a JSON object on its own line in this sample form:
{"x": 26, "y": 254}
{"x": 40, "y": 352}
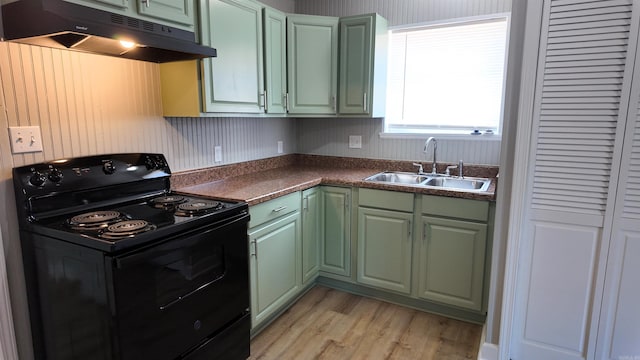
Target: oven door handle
{"x": 176, "y": 242}
{"x": 200, "y": 288}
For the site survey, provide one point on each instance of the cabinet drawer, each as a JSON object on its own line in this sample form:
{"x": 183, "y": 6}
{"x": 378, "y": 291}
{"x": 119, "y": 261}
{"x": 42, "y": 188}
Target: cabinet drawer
{"x": 390, "y": 200}
{"x": 273, "y": 209}
{"x": 457, "y": 208}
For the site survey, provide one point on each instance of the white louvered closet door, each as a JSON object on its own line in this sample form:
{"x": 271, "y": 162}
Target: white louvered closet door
{"x": 581, "y": 100}
{"x": 619, "y": 333}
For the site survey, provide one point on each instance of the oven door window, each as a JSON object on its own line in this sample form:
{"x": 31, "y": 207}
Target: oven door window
{"x": 182, "y": 273}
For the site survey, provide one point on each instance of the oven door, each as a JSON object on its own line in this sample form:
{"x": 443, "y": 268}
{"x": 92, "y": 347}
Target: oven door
{"x": 172, "y": 296}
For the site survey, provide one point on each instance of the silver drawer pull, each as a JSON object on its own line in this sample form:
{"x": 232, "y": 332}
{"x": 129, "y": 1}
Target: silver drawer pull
{"x": 279, "y": 209}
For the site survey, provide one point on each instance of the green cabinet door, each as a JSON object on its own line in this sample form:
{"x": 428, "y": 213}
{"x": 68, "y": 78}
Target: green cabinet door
{"x": 232, "y": 81}
{"x": 451, "y": 262}
{"x": 274, "y": 260}
{"x": 384, "y": 249}
{"x": 363, "y": 59}
{"x": 311, "y": 234}
{"x": 275, "y": 61}
{"x": 118, "y": 6}
{"x": 335, "y": 249}
{"x": 312, "y": 64}
{"x": 177, "y": 11}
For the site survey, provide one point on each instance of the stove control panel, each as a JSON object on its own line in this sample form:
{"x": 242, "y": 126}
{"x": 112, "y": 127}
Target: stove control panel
{"x": 77, "y": 174}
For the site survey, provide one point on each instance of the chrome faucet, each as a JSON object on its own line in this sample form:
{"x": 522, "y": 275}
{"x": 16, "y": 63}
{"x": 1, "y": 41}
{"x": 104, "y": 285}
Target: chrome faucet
{"x": 435, "y": 147}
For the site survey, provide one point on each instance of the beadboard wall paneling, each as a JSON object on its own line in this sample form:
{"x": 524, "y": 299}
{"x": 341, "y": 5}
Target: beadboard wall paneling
{"x": 400, "y": 12}
{"x": 90, "y": 104}
{"x": 331, "y": 137}
{"x": 241, "y": 139}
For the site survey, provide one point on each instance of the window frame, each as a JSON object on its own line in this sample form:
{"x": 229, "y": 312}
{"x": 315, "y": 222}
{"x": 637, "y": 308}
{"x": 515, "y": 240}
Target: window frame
{"x": 449, "y": 132}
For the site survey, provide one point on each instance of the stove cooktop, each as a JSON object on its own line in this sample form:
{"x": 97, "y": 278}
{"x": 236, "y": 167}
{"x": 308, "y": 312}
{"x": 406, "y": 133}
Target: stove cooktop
{"x": 122, "y": 226}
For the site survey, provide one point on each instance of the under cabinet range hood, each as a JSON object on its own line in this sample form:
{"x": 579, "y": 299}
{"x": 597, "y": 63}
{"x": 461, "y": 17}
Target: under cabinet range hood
{"x": 65, "y": 25}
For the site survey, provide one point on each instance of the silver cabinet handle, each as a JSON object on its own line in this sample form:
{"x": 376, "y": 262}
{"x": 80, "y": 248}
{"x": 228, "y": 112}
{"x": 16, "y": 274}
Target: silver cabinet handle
{"x": 306, "y": 204}
{"x": 286, "y": 102}
{"x": 147, "y": 3}
{"x": 253, "y": 248}
{"x": 364, "y": 101}
{"x": 409, "y": 230}
{"x": 262, "y": 100}
{"x": 266, "y": 102}
{"x": 279, "y": 209}
{"x": 333, "y": 100}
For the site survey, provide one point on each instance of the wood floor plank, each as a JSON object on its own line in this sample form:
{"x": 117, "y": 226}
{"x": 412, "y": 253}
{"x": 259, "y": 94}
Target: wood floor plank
{"x": 330, "y": 324}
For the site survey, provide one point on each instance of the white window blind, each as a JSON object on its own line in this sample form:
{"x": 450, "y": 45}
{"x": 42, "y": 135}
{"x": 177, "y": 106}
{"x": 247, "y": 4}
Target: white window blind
{"x": 447, "y": 78}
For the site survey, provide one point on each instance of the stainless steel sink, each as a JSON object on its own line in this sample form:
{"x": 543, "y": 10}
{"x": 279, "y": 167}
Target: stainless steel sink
{"x": 431, "y": 181}
{"x": 398, "y": 178}
{"x": 477, "y": 184}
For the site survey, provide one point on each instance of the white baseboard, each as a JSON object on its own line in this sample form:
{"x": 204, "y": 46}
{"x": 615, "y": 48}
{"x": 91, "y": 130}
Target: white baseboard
{"x": 488, "y": 352}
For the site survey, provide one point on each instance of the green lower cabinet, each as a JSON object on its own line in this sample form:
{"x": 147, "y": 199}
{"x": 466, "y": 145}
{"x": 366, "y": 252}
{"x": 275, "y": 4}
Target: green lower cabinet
{"x": 275, "y": 265}
{"x": 452, "y": 262}
{"x": 335, "y": 248}
{"x": 311, "y": 234}
{"x": 384, "y": 249}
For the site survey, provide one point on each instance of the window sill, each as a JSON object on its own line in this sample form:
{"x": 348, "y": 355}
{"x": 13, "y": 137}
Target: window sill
{"x": 424, "y": 136}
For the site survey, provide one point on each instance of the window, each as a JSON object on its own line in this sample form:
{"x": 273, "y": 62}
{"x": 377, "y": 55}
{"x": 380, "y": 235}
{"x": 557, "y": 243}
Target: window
{"x": 447, "y": 78}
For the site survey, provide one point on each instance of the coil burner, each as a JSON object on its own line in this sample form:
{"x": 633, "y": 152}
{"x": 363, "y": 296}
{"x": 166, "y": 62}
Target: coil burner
{"x": 95, "y": 220}
{"x": 125, "y": 229}
{"x": 196, "y": 208}
{"x": 167, "y": 202}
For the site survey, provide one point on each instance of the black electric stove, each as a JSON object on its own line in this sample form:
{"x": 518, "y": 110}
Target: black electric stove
{"x": 119, "y": 267}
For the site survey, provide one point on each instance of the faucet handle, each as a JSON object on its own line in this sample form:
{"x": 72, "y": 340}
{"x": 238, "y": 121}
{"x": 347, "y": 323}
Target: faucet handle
{"x": 449, "y": 168}
{"x": 420, "y": 169}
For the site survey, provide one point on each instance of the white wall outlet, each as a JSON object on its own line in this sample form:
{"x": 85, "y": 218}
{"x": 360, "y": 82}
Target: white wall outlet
{"x": 25, "y": 139}
{"x": 217, "y": 154}
{"x": 280, "y": 147}
{"x": 355, "y": 141}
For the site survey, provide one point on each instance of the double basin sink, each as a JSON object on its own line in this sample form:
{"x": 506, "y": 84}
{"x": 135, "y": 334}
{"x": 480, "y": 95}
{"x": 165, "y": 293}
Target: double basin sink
{"x": 435, "y": 181}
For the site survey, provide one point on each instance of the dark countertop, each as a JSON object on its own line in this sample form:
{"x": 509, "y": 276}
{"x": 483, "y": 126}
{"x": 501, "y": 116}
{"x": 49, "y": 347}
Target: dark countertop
{"x": 263, "y": 185}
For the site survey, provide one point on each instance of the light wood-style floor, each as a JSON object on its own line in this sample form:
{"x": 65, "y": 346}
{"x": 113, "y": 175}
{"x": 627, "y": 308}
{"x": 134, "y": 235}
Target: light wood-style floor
{"x": 330, "y": 324}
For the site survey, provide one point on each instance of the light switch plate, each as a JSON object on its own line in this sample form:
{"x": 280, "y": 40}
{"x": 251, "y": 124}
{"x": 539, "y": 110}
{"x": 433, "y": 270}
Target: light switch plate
{"x": 25, "y": 139}
{"x": 217, "y": 154}
{"x": 355, "y": 141}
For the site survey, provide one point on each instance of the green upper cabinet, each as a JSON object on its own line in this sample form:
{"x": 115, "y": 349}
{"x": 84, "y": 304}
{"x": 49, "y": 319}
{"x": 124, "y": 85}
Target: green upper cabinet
{"x": 311, "y": 233}
{"x": 312, "y": 64}
{"x": 335, "y": 248}
{"x": 363, "y": 61}
{"x": 275, "y": 61}
{"x": 175, "y": 11}
{"x": 118, "y": 6}
{"x": 233, "y": 81}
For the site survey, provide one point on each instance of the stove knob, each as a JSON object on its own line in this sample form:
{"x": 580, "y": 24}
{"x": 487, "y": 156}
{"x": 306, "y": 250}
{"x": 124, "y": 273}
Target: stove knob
{"x": 108, "y": 167}
{"x": 55, "y": 175}
{"x": 37, "y": 179}
{"x": 149, "y": 163}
